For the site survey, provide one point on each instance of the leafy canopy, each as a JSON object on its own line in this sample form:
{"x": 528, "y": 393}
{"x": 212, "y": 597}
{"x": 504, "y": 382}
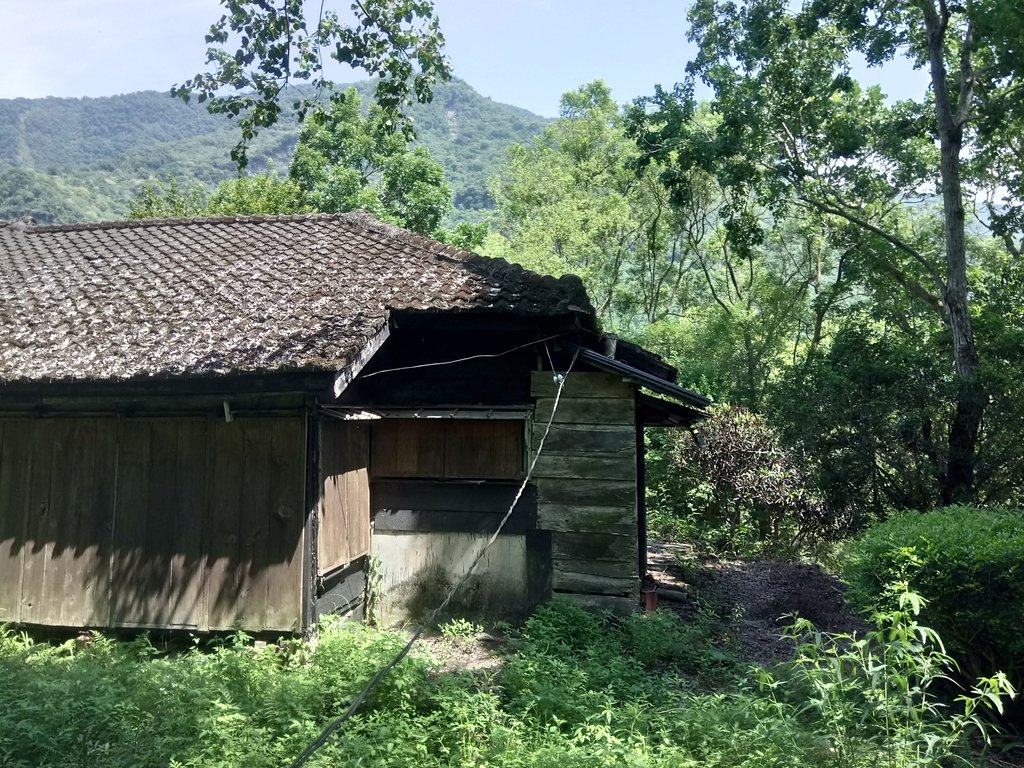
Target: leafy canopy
{"x": 397, "y": 41}
{"x": 793, "y": 129}
{"x": 346, "y": 159}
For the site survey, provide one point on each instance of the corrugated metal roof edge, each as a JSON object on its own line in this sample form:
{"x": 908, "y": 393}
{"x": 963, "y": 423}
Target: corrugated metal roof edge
{"x": 644, "y": 379}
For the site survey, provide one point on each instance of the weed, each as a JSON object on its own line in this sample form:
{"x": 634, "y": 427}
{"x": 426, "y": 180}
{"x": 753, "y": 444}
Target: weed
{"x": 460, "y": 630}
{"x": 869, "y": 699}
{"x": 582, "y": 690}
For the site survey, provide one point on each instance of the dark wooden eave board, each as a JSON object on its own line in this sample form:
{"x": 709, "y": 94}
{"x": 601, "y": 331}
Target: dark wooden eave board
{"x": 262, "y": 383}
{"x": 655, "y": 412}
{"x": 644, "y": 379}
{"x": 484, "y": 321}
{"x": 452, "y": 506}
{"x": 362, "y": 357}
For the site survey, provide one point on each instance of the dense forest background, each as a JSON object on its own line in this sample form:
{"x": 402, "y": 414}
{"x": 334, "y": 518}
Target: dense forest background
{"x": 825, "y": 343}
{"x": 841, "y": 272}
{"x": 69, "y": 160}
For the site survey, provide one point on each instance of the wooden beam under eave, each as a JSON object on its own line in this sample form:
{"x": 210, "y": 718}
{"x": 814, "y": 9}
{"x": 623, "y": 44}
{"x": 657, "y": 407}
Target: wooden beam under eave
{"x": 348, "y": 374}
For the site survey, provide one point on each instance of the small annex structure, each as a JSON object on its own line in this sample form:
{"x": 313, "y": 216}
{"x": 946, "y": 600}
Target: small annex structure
{"x": 211, "y": 424}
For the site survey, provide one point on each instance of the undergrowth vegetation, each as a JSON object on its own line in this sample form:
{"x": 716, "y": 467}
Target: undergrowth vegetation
{"x": 969, "y": 562}
{"x": 575, "y": 690}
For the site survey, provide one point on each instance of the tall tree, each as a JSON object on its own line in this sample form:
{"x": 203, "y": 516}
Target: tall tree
{"x": 678, "y": 274}
{"x": 794, "y": 128}
{"x": 571, "y": 201}
{"x": 346, "y": 159}
{"x": 397, "y": 41}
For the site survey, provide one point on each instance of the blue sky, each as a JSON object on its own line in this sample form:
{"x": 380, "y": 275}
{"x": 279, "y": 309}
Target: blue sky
{"x": 522, "y": 52}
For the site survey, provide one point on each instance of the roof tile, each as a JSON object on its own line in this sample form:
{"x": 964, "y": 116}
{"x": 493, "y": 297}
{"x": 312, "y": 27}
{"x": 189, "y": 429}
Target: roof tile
{"x": 203, "y": 297}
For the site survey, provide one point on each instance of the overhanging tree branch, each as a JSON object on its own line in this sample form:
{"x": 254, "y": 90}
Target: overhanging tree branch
{"x": 887, "y": 236}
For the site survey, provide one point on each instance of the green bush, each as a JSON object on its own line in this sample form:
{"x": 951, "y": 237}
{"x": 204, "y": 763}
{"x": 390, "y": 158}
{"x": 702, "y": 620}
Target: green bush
{"x": 969, "y": 565}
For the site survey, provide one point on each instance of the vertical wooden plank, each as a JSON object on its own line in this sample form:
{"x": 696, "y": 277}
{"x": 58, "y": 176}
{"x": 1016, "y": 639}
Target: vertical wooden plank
{"x": 356, "y": 490}
{"x": 128, "y": 559}
{"x": 188, "y": 564}
{"x": 154, "y": 580}
{"x": 39, "y": 536}
{"x": 250, "y": 611}
{"x": 55, "y": 607}
{"x": 223, "y": 522}
{"x": 15, "y": 468}
{"x": 344, "y": 532}
{"x": 407, "y": 448}
{"x": 285, "y": 543}
{"x": 483, "y": 449}
{"x": 74, "y": 553}
{"x": 101, "y": 527}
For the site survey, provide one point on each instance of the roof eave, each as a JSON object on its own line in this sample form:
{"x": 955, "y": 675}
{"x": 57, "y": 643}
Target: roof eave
{"x": 644, "y": 379}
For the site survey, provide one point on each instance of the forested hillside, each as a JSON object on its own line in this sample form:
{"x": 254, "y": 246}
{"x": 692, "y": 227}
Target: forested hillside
{"x": 64, "y": 160}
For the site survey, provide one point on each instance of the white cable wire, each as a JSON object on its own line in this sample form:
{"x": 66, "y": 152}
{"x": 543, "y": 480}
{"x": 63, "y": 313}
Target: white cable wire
{"x": 461, "y": 359}
{"x": 335, "y": 724}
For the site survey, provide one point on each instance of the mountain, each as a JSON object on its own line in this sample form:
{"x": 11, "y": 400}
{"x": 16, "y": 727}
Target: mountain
{"x": 68, "y": 160}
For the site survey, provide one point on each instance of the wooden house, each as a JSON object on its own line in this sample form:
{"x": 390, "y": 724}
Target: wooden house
{"x": 246, "y": 422}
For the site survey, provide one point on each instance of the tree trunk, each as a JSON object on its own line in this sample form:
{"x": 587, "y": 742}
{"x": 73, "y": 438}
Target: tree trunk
{"x": 958, "y": 483}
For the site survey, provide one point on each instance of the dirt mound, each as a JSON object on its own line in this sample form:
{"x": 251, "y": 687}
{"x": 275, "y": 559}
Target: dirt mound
{"x": 758, "y": 595}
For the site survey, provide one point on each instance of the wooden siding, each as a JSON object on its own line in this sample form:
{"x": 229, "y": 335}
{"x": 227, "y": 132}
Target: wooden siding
{"x": 447, "y": 506}
{"x": 472, "y": 449}
{"x": 483, "y": 449}
{"x": 586, "y": 484}
{"x": 343, "y": 593}
{"x": 344, "y": 532}
{"x": 152, "y": 522}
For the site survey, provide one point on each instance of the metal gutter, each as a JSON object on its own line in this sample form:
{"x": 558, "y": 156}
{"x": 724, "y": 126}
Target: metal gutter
{"x": 644, "y": 379}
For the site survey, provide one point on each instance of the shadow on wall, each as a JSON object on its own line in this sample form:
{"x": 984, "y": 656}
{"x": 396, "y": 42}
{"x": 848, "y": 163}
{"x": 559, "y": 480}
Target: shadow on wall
{"x": 419, "y": 569}
{"x": 152, "y": 522}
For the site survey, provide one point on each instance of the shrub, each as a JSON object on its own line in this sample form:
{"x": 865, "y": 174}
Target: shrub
{"x": 732, "y": 487}
{"x": 968, "y": 563}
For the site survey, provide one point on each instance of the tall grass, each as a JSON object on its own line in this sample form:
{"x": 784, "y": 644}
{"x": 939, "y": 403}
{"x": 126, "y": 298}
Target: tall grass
{"x": 579, "y": 690}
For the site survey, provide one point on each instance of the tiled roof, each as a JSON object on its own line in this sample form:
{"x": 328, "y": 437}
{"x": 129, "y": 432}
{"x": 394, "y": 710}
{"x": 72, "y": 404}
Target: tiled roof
{"x": 233, "y": 295}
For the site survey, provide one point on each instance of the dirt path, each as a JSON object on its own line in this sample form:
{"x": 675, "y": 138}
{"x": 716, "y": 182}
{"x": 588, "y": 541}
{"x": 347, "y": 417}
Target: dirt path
{"x": 750, "y": 596}
{"x": 755, "y": 594}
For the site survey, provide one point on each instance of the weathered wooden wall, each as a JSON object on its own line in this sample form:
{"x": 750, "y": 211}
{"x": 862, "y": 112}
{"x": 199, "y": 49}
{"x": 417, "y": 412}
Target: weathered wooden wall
{"x": 344, "y": 530}
{"x": 424, "y": 531}
{"x": 172, "y": 522}
{"x": 440, "y": 489}
{"x": 586, "y": 485}
{"x": 451, "y": 449}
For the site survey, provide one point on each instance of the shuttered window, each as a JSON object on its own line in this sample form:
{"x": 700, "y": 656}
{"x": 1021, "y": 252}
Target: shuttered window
{"x": 447, "y": 449}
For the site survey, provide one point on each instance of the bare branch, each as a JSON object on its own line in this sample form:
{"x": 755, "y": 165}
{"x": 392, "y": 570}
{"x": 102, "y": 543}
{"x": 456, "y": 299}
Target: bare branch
{"x": 711, "y": 285}
{"x": 887, "y": 236}
{"x": 966, "y": 77}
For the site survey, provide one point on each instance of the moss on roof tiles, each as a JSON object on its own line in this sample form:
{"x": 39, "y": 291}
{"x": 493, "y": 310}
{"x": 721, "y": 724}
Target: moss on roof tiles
{"x": 254, "y": 294}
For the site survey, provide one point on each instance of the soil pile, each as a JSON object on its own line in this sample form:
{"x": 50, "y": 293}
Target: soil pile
{"x": 759, "y": 596}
